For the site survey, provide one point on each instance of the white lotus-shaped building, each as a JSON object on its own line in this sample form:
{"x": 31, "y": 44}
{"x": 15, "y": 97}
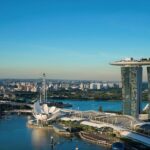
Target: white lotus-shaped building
{"x": 45, "y": 113}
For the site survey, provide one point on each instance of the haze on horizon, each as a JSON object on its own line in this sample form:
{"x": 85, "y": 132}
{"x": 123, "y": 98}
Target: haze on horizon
{"x": 71, "y": 39}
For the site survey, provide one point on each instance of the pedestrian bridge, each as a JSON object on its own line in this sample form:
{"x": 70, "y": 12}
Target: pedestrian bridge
{"x": 102, "y": 125}
{"x": 123, "y": 121}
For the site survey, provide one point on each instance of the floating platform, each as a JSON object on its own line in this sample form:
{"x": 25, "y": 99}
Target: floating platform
{"x": 94, "y": 139}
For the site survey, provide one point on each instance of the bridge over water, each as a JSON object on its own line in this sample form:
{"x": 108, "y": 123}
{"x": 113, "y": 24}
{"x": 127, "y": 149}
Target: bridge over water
{"x": 123, "y": 124}
{"x": 15, "y": 103}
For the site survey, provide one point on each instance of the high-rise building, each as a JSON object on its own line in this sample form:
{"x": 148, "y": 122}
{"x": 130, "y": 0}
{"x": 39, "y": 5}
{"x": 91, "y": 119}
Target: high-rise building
{"x": 131, "y": 90}
{"x": 43, "y": 92}
{"x": 148, "y": 77}
{"x": 126, "y": 90}
{"x": 131, "y": 74}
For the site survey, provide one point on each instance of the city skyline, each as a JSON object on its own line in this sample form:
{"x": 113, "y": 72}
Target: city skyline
{"x": 71, "y": 39}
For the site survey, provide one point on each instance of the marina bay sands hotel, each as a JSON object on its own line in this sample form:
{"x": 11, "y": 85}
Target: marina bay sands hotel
{"x": 131, "y": 74}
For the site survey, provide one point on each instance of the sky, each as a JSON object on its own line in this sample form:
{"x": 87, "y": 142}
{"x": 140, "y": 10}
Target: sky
{"x": 71, "y": 39}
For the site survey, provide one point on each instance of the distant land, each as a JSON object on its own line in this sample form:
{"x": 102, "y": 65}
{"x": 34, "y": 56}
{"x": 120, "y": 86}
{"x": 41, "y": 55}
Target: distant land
{"x": 29, "y": 89}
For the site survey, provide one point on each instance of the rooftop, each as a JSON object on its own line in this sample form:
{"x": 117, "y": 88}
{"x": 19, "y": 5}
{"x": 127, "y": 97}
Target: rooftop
{"x": 132, "y": 62}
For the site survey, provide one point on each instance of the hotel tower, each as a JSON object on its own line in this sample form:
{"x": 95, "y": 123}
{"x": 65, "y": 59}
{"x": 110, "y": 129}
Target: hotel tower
{"x": 131, "y": 75}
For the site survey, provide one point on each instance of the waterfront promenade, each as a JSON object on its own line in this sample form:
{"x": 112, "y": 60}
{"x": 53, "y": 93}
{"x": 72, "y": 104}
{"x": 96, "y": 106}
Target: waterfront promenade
{"x": 124, "y": 132}
{"x": 123, "y": 124}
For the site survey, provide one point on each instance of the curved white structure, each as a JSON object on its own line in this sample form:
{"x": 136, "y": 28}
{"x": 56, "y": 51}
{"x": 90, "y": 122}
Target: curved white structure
{"x": 44, "y": 113}
{"x": 131, "y": 62}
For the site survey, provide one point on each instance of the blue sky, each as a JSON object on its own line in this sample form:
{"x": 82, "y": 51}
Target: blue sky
{"x": 71, "y": 39}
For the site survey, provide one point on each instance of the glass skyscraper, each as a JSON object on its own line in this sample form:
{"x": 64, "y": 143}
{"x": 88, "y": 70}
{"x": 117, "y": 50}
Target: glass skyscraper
{"x": 131, "y": 90}
{"x": 131, "y": 74}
